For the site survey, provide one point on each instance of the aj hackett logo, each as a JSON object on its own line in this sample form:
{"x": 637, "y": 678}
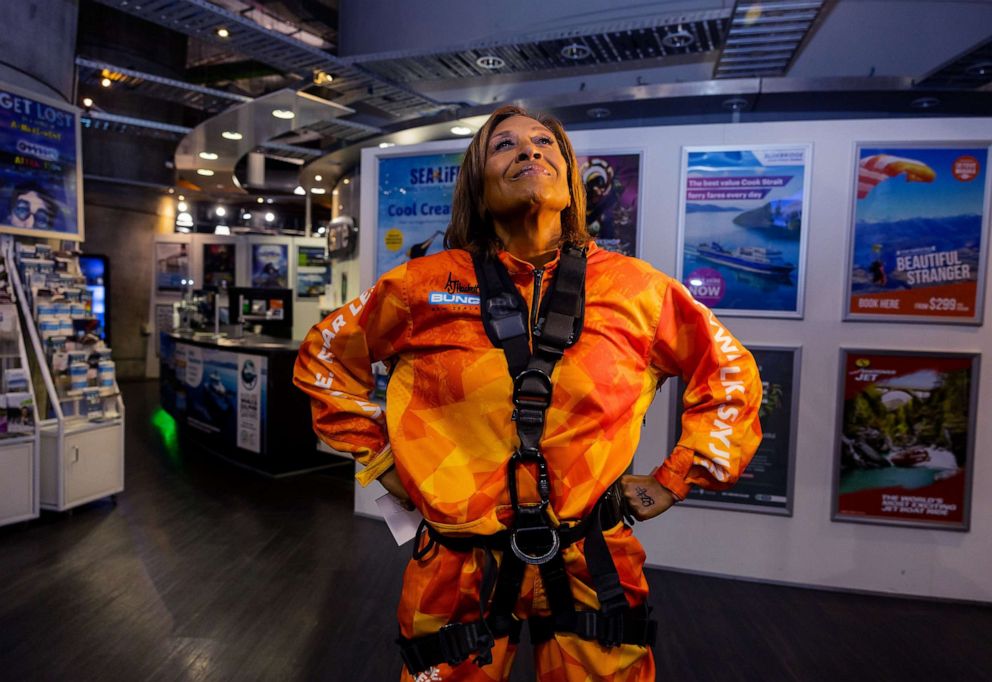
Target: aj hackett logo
{"x": 866, "y": 374}
{"x": 455, "y": 293}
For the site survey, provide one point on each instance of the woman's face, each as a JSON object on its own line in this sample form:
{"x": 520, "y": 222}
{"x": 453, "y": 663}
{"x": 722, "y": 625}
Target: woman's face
{"x": 524, "y": 168}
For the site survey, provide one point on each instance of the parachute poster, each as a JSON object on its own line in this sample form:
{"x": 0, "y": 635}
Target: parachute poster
{"x": 918, "y": 247}
{"x": 612, "y": 183}
{"x": 742, "y": 228}
{"x": 906, "y": 445}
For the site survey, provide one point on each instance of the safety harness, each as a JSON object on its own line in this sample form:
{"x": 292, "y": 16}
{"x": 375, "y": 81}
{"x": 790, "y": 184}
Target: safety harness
{"x": 532, "y": 538}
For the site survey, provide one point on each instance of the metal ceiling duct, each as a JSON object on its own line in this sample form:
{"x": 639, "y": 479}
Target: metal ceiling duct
{"x": 128, "y": 125}
{"x": 765, "y": 36}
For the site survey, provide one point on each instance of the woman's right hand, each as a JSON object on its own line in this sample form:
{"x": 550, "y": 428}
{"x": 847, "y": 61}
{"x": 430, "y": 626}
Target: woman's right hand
{"x": 391, "y": 482}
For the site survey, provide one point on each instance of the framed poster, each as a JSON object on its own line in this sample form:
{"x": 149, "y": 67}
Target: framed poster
{"x": 767, "y": 484}
{"x": 40, "y": 168}
{"x": 905, "y": 450}
{"x": 918, "y": 241}
{"x": 414, "y": 198}
{"x": 171, "y": 265}
{"x": 219, "y": 264}
{"x": 313, "y": 271}
{"x": 743, "y": 213}
{"x": 270, "y": 265}
{"x": 612, "y": 183}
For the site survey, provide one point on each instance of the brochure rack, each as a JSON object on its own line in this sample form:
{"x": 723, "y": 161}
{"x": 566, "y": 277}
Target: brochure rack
{"x": 81, "y": 429}
{"x": 19, "y": 496}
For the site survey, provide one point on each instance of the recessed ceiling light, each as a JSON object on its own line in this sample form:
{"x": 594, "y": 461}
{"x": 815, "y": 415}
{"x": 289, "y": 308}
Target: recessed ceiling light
{"x": 346, "y": 181}
{"x": 106, "y": 82}
{"x": 222, "y": 229}
{"x": 270, "y": 216}
{"x": 184, "y": 219}
{"x": 299, "y": 191}
{"x": 231, "y": 135}
{"x": 246, "y": 216}
{"x": 223, "y": 32}
{"x": 575, "y": 51}
{"x": 221, "y": 211}
{"x": 461, "y": 130}
{"x": 386, "y": 145}
{"x": 182, "y": 206}
{"x": 269, "y": 201}
{"x": 209, "y": 156}
{"x": 318, "y": 178}
{"x": 185, "y": 230}
{"x": 598, "y": 112}
{"x": 204, "y": 171}
{"x": 284, "y": 114}
{"x": 925, "y": 103}
{"x": 182, "y": 198}
{"x": 678, "y": 38}
{"x": 318, "y": 190}
{"x": 261, "y": 200}
{"x": 735, "y": 104}
{"x": 335, "y": 192}
{"x": 87, "y": 102}
{"x": 490, "y": 61}
{"x": 980, "y": 69}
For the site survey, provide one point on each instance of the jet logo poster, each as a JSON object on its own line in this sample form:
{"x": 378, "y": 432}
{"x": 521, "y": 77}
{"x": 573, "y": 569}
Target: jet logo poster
{"x": 907, "y": 438}
{"x": 918, "y": 244}
{"x": 742, "y": 228}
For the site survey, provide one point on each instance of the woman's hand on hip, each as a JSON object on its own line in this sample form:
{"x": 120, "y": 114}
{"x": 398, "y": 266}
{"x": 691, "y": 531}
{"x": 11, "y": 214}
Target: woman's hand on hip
{"x": 646, "y": 498}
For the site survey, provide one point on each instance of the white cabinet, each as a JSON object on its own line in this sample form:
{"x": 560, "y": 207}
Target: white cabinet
{"x": 85, "y": 464}
{"x": 18, "y": 481}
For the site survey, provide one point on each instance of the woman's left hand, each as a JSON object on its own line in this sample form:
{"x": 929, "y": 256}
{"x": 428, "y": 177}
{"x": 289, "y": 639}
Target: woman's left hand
{"x": 646, "y": 498}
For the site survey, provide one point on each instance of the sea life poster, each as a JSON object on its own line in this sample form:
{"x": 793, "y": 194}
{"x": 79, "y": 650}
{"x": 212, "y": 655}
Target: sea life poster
{"x": 742, "y": 228}
{"x": 767, "y": 483}
{"x": 918, "y": 245}
{"x": 40, "y": 178}
{"x": 414, "y": 196}
{"x": 612, "y": 184}
{"x": 270, "y": 265}
{"x": 906, "y": 446}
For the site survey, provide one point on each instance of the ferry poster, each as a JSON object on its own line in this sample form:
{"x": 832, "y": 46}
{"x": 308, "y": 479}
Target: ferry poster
{"x": 906, "y": 447}
{"x": 414, "y": 197}
{"x": 612, "y": 184}
{"x": 918, "y": 246}
{"x": 767, "y": 483}
{"x": 742, "y": 228}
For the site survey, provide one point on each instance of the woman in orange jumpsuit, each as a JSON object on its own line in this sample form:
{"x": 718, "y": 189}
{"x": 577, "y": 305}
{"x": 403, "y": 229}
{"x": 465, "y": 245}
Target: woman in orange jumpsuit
{"x": 445, "y": 441}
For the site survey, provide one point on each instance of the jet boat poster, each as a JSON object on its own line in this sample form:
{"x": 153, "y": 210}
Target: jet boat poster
{"x": 414, "y": 197}
{"x": 918, "y": 244}
{"x": 767, "y": 484}
{"x": 906, "y": 447}
{"x": 742, "y": 228}
{"x": 612, "y": 184}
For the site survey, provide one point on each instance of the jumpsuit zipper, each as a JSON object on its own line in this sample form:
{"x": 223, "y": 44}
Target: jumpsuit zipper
{"x": 536, "y": 302}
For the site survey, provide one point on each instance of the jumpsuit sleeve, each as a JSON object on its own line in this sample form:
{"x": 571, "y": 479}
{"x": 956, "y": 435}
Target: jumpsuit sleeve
{"x": 720, "y": 428}
{"x": 334, "y": 367}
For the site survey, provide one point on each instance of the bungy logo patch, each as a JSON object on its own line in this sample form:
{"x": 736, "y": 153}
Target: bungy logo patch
{"x": 444, "y": 298}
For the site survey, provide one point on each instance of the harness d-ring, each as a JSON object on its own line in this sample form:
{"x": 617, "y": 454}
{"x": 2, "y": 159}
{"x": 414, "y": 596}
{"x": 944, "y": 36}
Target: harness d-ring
{"x": 535, "y": 560}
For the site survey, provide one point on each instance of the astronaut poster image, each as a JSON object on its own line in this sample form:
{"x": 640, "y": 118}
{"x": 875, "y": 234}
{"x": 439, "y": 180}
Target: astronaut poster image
{"x": 39, "y": 172}
{"x": 767, "y": 483}
{"x": 414, "y": 197}
{"x": 270, "y": 265}
{"x": 906, "y": 438}
{"x": 612, "y": 183}
{"x": 742, "y": 228}
{"x": 918, "y": 244}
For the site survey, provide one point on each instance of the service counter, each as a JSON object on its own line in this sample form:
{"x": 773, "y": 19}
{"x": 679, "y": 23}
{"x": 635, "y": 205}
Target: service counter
{"x": 236, "y": 398}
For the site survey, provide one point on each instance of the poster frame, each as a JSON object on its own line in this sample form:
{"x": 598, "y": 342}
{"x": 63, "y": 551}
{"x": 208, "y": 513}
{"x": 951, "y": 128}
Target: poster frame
{"x": 253, "y": 247}
{"x": 325, "y": 269}
{"x": 626, "y": 151}
{"x": 975, "y": 320}
{"x": 206, "y": 244}
{"x": 975, "y": 370}
{"x": 161, "y": 290}
{"x": 799, "y": 311}
{"x": 790, "y": 486}
{"x": 80, "y": 233}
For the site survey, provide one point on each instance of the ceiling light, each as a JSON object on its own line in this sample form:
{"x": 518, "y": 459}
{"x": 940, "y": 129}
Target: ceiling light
{"x": 461, "y": 130}
{"x": 260, "y": 200}
{"x": 678, "y": 38}
{"x": 87, "y": 102}
{"x": 318, "y": 178}
{"x": 223, "y": 32}
{"x": 735, "y": 104}
{"x": 299, "y": 191}
{"x": 269, "y": 201}
{"x": 246, "y": 216}
{"x": 321, "y": 229}
{"x": 222, "y": 229}
{"x": 284, "y": 114}
{"x": 490, "y": 61}
{"x": 221, "y": 211}
{"x": 322, "y": 78}
{"x": 598, "y": 112}
{"x": 318, "y": 190}
{"x": 386, "y": 145}
{"x": 185, "y": 230}
{"x": 106, "y": 82}
{"x": 335, "y": 192}
{"x": 182, "y": 206}
{"x": 204, "y": 171}
{"x": 208, "y": 156}
{"x": 184, "y": 219}
{"x": 270, "y": 216}
{"x": 925, "y": 103}
{"x": 575, "y": 51}
{"x": 346, "y": 181}
{"x": 980, "y": 69}
{"x": 231, "y": 135}
{"x": 182, "y": 198}
{"x": 172, "y": 190}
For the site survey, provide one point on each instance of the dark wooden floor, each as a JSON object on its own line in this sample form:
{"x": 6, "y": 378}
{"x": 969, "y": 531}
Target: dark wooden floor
{"x": 205, "y": 572}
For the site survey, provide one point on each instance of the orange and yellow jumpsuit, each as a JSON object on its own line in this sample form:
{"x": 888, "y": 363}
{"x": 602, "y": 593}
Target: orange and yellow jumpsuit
{"x": 447, "y": 427}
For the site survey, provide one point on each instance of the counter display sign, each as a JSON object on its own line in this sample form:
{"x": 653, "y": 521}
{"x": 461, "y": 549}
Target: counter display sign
{"x": 40, "y": 175}
{"x": 918, "y": 244}
{"x": 414, "y": 197}
{"x": 742, "y": 228}
{"x": 906, "y": 447}
{"x": 612, "y": 184}
{"x": 767, "y": 483}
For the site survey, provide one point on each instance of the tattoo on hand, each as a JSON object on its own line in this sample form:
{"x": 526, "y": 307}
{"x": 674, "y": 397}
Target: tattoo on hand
{"x": 642, "y": 494}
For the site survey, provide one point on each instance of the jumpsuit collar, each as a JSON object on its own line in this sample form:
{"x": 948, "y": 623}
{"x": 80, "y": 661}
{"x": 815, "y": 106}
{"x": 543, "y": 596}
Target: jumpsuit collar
{"x": 518, "y": 266}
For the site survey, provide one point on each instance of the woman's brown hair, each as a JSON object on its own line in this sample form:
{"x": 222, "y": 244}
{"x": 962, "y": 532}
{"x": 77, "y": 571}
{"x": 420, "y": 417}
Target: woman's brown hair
{"x": 471, "y": 225}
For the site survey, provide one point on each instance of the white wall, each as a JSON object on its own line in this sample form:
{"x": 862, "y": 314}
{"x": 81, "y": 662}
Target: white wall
{"x": 807, "y": 548}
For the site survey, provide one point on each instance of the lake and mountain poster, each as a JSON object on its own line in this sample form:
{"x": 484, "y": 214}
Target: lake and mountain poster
{"x": 918, "y": 247}
{"x": 906, "y": 445}
{"x": 742, "y": 227}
